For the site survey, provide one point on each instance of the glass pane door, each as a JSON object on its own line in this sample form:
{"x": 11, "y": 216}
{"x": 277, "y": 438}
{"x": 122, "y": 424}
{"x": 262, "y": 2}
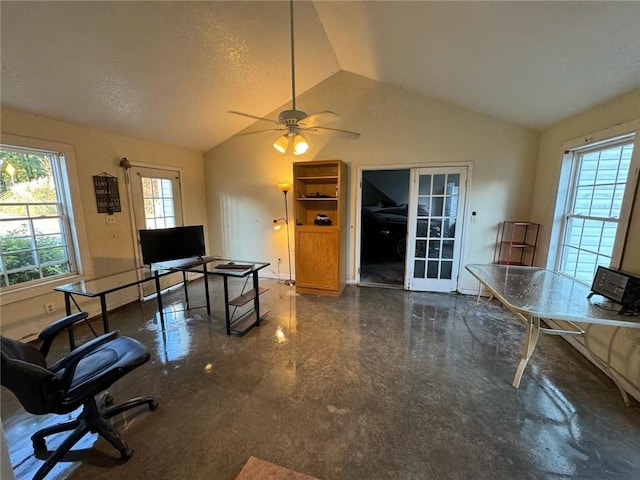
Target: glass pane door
{"x": 433, "y": 247}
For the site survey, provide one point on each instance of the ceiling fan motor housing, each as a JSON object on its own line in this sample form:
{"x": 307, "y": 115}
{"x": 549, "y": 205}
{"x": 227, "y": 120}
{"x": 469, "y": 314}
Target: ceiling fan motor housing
{"x": 290, "y": 118}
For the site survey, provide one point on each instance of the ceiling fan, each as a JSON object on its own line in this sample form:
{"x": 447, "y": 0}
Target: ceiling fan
{"x": 292, "y": 123}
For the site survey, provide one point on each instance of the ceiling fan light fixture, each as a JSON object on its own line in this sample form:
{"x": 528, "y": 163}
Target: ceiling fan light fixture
{"x": 282, "y": 143}
{"x": 300, "y": 145}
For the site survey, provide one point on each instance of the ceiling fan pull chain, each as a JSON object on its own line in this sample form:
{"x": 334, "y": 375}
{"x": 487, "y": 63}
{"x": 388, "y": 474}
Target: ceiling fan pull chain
{"x": 293, "y": 66}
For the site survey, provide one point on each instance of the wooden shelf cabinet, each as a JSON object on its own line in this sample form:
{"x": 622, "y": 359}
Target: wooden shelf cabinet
{"x": 518, "y": 243}
{"x": 320, "y": 188}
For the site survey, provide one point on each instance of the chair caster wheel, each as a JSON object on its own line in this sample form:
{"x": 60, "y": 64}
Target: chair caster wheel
{"x": 39, "y": 444}
{"x": 153, "y": 405}
{"x": 126, "y": 454}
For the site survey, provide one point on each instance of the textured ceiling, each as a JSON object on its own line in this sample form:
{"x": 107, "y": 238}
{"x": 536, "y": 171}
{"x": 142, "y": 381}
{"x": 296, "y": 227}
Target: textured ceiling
{"x": 170, "y": 71}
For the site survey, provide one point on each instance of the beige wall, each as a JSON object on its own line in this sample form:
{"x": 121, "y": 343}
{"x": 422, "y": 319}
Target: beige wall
{"x": 397, "y": 128}
{"x": 626, "y": 347}
{"x": 109, "y": 248}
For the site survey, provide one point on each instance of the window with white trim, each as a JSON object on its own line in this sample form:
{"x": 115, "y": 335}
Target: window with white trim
{"x": 599, "y": 177}
{"x": 36, "y": 243}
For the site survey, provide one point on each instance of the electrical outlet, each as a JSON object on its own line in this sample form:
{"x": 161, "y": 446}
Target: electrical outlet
{"x": 49, "y": 308}
{"x": 111, "y": 219}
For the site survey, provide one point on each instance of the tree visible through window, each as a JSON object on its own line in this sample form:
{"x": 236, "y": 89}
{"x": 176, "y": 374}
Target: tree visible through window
{"x": 34, "y": 227}
{"x": 593, "y": 211}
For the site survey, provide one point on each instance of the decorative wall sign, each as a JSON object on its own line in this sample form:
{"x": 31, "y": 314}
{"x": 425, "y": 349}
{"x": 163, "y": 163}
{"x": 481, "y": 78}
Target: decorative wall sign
{"x": 107, "y": 193}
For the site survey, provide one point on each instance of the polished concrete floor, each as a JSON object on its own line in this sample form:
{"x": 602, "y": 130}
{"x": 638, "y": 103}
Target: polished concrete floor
{"x": 376, "y": 384}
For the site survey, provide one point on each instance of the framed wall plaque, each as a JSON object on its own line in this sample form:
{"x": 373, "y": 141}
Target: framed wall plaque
{"x": 107, "y": 193}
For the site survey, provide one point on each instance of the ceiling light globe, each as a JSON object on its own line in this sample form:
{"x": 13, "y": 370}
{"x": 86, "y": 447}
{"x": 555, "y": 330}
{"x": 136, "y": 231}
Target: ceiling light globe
{"x": 300, "y": 145}
{"x": 281, "y": 144}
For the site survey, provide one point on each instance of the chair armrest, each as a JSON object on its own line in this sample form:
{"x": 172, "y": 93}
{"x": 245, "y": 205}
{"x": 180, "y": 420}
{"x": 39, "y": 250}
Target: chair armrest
{"x": 48, "y": 334}
{"x": 70, "y": 361}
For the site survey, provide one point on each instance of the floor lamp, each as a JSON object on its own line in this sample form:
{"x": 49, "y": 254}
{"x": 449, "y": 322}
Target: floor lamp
{"x": 277, "y": 223}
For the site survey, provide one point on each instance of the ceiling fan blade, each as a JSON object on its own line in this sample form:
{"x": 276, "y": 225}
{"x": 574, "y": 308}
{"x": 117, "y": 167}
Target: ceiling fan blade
{"x": 317, "y": 118}
{"x": 343, "y": 133}
{"x": 279, "y": 130}
{"x": 254, "y": 117}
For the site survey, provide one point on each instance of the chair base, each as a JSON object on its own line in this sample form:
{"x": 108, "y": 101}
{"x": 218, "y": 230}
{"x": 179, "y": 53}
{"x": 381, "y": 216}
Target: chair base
{"x": 92, "y": 419}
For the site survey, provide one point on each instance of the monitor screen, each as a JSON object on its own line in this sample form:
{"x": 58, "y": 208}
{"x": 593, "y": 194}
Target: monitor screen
{"x": 166, "y": 244}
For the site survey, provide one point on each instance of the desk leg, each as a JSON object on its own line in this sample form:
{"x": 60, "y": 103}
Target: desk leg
{"x": 206, "y": 288}
{"x": 67, "y": 307}
{"x": 226, "y": 304}
{"x": 186, "y": 289}
{"x": 533, "y": 332}
{"x": 256, "y": 298}
{"x": 103, "y": 307}
{"x": 159, "y": 298}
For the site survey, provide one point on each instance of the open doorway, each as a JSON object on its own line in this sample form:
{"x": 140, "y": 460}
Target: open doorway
{"x": 383, "y": 220}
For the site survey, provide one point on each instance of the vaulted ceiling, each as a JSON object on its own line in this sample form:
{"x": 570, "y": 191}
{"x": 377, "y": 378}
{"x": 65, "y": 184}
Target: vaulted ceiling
{"x": 171, "y": 71}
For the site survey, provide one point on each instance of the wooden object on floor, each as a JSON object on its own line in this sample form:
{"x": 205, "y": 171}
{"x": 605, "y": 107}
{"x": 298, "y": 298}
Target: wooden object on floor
{"x": 320, "y": 188}
{"x": 256, "y": 469}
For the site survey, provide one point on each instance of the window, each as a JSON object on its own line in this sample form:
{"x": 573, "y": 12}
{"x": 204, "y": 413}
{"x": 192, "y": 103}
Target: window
{"x": 35, "y": 237}
{"x": 600, "y": 174}
{"x": 157, "y": 194}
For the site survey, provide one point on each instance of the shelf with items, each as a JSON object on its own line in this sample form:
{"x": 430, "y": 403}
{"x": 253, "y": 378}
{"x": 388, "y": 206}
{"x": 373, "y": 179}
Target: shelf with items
{"x": 320, "y": 211}
{"x": 317, "y": 188}
{"x": 518, "y": 243}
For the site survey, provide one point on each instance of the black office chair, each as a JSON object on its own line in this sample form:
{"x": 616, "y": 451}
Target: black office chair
{"x": 76, "y": 379}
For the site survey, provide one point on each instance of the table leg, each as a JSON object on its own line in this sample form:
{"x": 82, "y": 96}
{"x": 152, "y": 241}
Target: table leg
{"x": 533, "y": 332}
{"x": 256, "y": 298}
{"x": 226, "y": 304}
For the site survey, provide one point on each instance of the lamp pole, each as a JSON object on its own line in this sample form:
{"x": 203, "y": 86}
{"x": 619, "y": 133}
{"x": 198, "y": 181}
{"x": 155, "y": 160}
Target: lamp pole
{"x": 286, "y": 220}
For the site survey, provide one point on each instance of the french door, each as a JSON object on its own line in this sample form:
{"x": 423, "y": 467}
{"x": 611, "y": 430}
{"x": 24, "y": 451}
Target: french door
{"x": 434, "y": 233}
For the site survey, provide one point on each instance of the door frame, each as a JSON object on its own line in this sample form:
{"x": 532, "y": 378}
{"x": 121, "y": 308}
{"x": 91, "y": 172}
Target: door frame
{"x": 132, "y": 219}
{"x": 355, "y": 267}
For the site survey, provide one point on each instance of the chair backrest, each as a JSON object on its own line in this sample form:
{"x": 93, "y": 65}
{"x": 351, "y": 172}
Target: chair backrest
{"x": 25, "y": 373}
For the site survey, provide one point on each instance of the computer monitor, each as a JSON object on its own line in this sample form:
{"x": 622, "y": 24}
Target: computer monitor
{"x": 161, "y": 245}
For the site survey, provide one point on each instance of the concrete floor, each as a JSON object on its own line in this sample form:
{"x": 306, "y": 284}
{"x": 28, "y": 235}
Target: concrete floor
{"x": 376, "y": 384}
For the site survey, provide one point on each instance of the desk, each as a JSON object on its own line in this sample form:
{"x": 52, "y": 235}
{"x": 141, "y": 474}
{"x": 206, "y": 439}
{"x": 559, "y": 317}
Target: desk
{"x": 212, "y": 266}
{"x": 534, "y": 293}
{"x": 102, "y": 286}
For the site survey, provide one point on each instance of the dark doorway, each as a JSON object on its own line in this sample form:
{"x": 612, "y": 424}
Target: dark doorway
{"x": 383, "y": 220}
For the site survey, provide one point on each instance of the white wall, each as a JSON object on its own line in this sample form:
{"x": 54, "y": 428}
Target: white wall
{"x": 397, "y": 128}
{"x": 109, "y": 248}
{"x": 626, "y": 348}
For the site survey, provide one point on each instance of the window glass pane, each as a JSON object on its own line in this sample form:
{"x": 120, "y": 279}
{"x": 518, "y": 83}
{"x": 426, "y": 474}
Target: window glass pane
{"x": 432, "y": 269}
{"x": 434, "y": 248}
{"x": 421, "y": 248}
{"x": 421, "y": 228}
{"x": 418, "y": 269}
{"x": 445, "y": 270}
{"x": 449, "y": 230}
{"x": 423, "y": 207}
{"x": 436, "y": 206}
{"x": 438, "y": 184}
{"x": 424, "y": 185}
{"x": 447, "y": 249}
{"x": 451, "y": 206}
{"x": 436, "y": 228}
{"x": 453, "y": 184}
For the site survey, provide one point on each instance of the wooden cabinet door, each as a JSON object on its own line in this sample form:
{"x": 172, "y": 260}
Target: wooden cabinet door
{"x": 317, "y": 258}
